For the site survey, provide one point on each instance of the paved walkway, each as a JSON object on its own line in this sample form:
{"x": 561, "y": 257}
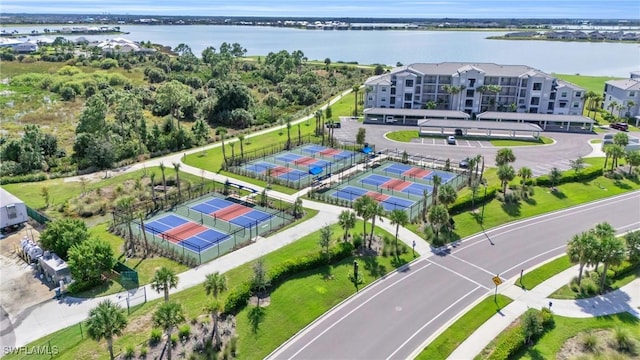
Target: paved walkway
{"x": 625, "y": 299}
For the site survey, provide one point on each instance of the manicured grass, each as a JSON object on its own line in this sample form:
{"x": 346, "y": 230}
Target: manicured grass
{"x": 310, "y": 294}
{"x": 521, "y": 142}
{"x": 403, "y": 136}
{"x": 566, "y": 292}
{"x": 459, "y": 331}
{"x": 544, "y": 272}
{"x": 590, "y": 83}
{"x": 550, "y": 343}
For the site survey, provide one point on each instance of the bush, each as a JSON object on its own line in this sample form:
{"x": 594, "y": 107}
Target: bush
{"x": 156, "y": 337}
{"x": 184, "y": 331}
{"x": 590, "y": 342}
{"x": 129, "y": 352}
{"x": 623, "y": 340}
{"x": 174, "y": 340}
{"x": 586, "y": 174}
{"x": 143, "y": 352}
{"x": 510, "y": 344}
{"x": 464, "y": 203}
{"x": 588, "y": 287}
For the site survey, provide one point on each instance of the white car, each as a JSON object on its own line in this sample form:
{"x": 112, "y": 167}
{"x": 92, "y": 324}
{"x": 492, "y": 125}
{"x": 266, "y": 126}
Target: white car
{"x": 451, "y": 140}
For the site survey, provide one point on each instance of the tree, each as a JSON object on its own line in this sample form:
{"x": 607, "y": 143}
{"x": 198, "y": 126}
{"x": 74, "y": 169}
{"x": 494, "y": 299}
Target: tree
{"x": 438, "y": 216}
{"x": 616, "y": 152}
{"x": 260, "y": 281}
{"x": 215, "y": 284}
{"x": 89, "y": 260}
{"x": 554, "y": 176}
{"x": 531, "y": 325}
{"x": 168, "y": 316}
{"x": 347, "y": 221}
{"x": 581, "y": 250}
{"x": 318, "y": 116}
{"x": 44, "y": 191}
{"x": 298, "y": 210}
{"x": 525, "y": 174}
{"x": 200, "y": 131}
{"x": 437, "y": 181}
{"x": 288, "y": 125}
{"x": 361, "y": 136}
{"x": 241, "y": 141}
{"x": 601, "y": 231}
{"x": 176, "y": 168}
{"x": 325, "y": 239}
{"x": 327, "y": 63}
{"x": 630, "y": 104}
{"x": 362, "y": 206}
{"x": 447, "y": 195}
{"x": 164, "y": 180}
{"x": 398, "y": 218}
{"x": 152, "y": 183}
{"x": 93, "y": 117}
{"x": 124, "y": 205}
{"x": 376, "y": 211}
{"x": 163, "y": 280}
{"x": 621, "y": 139}
{"x": 60, "y": 235}
{"x": 506, "y": 173}
{"x": 173, "y": 97}
{"x": 633, "y": 245}
{"x": 356, "y": 89}
{"x": 271, "y": 101}
{"x": 222, "y": 132}
{"x": 633, "y": 159}
{"x": 505, "y": 156}
{"x": 612, "y": 106}
{"x": 106, "y": 321}
{"x": 577, "y": 165}
{"x": 613, "y": 253}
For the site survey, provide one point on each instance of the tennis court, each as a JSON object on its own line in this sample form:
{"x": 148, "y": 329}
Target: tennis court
{"x": 279, "y": 171}
{"x": 184, "y": 232}
{"x": 231, "y": 212}
{"x": 301, "y": 160}
{"x": 412, "y": 172}
{"x": 327, "y": 152}
{"x": 388, "y": 202}
{"x": 395, "y": 184}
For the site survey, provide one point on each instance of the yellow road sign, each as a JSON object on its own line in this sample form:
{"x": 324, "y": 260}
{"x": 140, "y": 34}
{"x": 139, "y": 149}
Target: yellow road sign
{"x": 497, "y": 280}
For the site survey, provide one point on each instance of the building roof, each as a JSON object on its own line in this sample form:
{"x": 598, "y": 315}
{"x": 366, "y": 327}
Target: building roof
{"x": 7, "y": 198}
{"x": 625, "y": 84}
{"x": 568, "y": 84}
{"x": 490, "y": 69}
{"x": 514, "y": 116}
{"x": 424, "y": 113}
{"x": 378, "y": 80}
{"x": 54, "y": 263}
{"x": 476, "y": 124}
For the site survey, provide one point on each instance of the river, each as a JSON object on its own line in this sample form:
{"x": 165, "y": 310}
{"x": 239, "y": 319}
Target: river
{"x": 392, "y": 46}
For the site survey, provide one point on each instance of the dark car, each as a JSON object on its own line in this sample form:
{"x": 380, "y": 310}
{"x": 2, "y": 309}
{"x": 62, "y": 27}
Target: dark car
{"x": 458, "y": 132}
{"x": 333, "y": 125}
{"x": 619, "y": 126}
{"x": 464, "y": 164}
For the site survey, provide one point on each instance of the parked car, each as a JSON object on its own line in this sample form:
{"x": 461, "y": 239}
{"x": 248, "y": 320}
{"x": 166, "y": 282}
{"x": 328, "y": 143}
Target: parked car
{"x": 464, "y": 164}
{"x": 333, "y": 125}
{"x": 620, "y": 126}
{"x": 451, "y": 140}
{"x": 458, "y": 132}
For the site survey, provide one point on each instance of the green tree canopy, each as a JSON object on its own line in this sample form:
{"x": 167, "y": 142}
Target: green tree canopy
{"x": 60, "y": 235}
{"x": 106, "y": 321}
{"x": 89, "y": 260}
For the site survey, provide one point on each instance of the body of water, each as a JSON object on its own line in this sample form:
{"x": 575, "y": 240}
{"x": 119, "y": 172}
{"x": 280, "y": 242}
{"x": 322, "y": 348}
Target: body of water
{"x": 392, "y": 46}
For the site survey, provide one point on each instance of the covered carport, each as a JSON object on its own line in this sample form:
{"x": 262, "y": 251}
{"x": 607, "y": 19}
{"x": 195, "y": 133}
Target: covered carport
{"x": 409, "y": 116}
{"x": 486, "y": 128}
{"x": 547, "y": 122}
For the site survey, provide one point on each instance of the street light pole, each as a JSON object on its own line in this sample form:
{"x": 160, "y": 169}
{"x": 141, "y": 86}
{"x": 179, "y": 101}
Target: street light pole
{"x": 484, "y": 200}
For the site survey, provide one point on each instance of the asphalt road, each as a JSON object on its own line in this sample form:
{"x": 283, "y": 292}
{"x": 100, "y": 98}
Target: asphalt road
{"x": 540, "y": 158}
{"x": 393, "y": 318}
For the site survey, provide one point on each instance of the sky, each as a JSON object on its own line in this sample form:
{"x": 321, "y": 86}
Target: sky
{"x": 576, "y": 9}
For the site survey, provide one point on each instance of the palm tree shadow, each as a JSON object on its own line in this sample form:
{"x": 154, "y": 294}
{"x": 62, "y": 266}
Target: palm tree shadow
{"x": 374, "y": 268}
{"x": 256, "y": 316}
{"x": 512, "y": 209}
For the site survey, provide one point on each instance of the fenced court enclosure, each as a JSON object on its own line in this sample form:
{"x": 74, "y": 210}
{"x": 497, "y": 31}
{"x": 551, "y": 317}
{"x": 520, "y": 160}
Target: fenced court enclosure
{"x": 394, "y": 185}
{"x": 298, "y": 167}
{"x": 210, "y": 226}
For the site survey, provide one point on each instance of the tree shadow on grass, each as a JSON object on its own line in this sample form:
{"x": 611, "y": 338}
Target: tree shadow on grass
{"x": 622, "y": 185}
{"x": 558, "y": 194}
{"x": 326, "y": 272}
{"x": 512, "y": 209}
{"x": 256, "y": 315}
{"x": 373, "y": 267}
{"x": 531, "y": 201}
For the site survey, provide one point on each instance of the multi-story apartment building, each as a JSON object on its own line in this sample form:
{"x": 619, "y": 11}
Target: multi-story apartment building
{"x": 624, "y": 95}
{"x": 473, "y": 89}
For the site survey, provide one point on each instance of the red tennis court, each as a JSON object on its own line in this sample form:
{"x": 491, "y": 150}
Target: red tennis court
{"x": 377, "y": 196}
{"x": 417, "y": 173}
{"x": 185, "y": 231}
{"x": 330, "y": 152}
{"x": 279, "y": 170}
{"x": 304, "y": 161}
{"x": 231, "y": 212}
{"x": 396, "y": 184}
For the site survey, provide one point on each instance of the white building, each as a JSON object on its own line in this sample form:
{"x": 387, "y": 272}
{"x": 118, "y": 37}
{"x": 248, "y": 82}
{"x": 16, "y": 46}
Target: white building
{"x": 473, "y": 89}
{"x": 624, "y": 92}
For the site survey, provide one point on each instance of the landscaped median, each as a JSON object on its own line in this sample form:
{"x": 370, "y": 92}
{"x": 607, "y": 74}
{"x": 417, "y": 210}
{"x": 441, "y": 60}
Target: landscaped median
{"x": 300, "y": 296}
{"x": 409, "y": 135}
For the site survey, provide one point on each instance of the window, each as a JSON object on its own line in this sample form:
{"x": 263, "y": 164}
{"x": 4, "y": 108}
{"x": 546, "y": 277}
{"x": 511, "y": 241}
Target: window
{"x": 392, "y": 100}
{"x": 393, "y": 91}
{"x": 632, "y": 93}
{"x": 523, "y": 93}
{"x": 578, "y": 93}
{"x": 370, "y": 98}
{"x": 468, "y": 103}
{"x": 563, "y": 105}
{"x": 407, "y": 97}
{"x": 470, "y": 92}
{"x": 521, "y": 101}
{"x": 535, "y": 101}
{"x": 383, "y": 99}
{"x": 383, "y": 89}
{"x": 408, "y": 83}
{"x": 472, "y": 82}
{"x": 563, "y": 94}
{"x": 537, "y": 86}
{"x": 576, "y": 105}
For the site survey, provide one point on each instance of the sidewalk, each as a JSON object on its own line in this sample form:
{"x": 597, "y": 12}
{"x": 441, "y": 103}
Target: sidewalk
{"x": 624, "y": 299}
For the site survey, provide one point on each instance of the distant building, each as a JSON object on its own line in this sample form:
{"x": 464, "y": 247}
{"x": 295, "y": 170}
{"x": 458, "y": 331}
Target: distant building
{"x": 473, "y": 89}
{"x": 625, "y": 92}
{"x": 25, "y": 47}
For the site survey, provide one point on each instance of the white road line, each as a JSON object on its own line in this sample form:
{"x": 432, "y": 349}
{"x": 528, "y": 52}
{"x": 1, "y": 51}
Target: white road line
{"x": 472, "y": 264}
{"x": 533, "y": 257}
{"x": 430, "y": 321}
{"x": 354, "y": 310}
{"x": 480, "y": 143}
{"x": 457, "y": 273}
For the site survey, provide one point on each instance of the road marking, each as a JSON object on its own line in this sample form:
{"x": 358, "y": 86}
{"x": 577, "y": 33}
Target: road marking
{"x": 430, "y": 321}
{"x": 480, "y": 143}
{"x": 353, "y": 310}
{"x": 533, "y": 257}
{"x": 472, "y": 264}
{"x": 457, "y": 273}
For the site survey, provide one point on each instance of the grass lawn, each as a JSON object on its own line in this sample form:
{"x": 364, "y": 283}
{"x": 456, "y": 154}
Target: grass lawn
{"x": 403, "y": 135}
{"x": 550, "y": 343}
{"x": 566, "y": 292}
{"x": 521, "y": 142}
{"x": 590, "y": 83}
{"x": 310, "y": 293}
{"x": 460, "y": 330}
{"x": 544, "y": 272}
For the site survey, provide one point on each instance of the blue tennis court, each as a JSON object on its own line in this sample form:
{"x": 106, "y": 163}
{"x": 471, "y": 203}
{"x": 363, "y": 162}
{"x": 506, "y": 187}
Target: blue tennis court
{"x": 212, "y": 205}
{"x": 312, "y": 149}
{"x": 252, "y": 218}
{"x": 444, "y": 175}
{"x": 166, "y": 223}
{"x": 204, "y": 240}
{"x": 388, "y": 202}
{"x": 289, "y": 157}
{"x": 260, "y": 167}
{"x": 375, "y": 180}
{"x": 249, "y": 219}
{"x": 294, "y": 175}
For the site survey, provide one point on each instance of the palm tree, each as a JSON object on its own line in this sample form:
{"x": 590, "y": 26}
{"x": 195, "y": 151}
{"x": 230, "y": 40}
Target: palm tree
{"x": 612, "y": 106}
{"x": 506, "y": 173}
{"x": 318, "y": 115}
{"x": 630, "y": 104}
{"x": 288, "y": 133}
{"x": 164, "y": 180}
{"x": 176, "y": 168}
{"x": 298, "y": 210}
{"x": 347, "y": 221}
{"x": 505, "y": 156}
{"x": 447, "y": 195}
{"x": 633, "y": 159}
{"x": 398, "y": 218}
{"x": 125, "y": 205}
{"x": 223, "y": 132}
{"x": 525, "y": 174}
{"x": 356, "y": 89}
{"x": 214, "y": 284}
{"x": 472, "y": 165}
{"x": 163, "y": 280}
{"x": 106, "y": 321}
{"x": 438, "y": 216}
{"x": 361, "y": 205}
{"x": 215, "y": 307}
{"x": 612, "y": 250}
{"x": 152, "y": 178}
{"x": 168, "y": 316}
{"x": 241, "y": 140}
{"x": 376, "y": 211}
{"x": 581, "y": 250}
{"x": 554, "y": 176}
{"x": 617, "y": 151}
{"x": 437, "y": 181}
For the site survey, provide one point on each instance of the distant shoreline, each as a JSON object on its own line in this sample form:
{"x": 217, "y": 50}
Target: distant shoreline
{"x": 562, "y": 40}
{"x": 56, "y": 34}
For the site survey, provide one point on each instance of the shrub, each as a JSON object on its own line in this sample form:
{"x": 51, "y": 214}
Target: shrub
{"x": 174, "y": 340}
{"x": 129, "y": 352}
{"x": 623, "y": 340}
{"x": 588, "y": 287}
{"x": 510, "y": 344}
{"x": 590, "y": 342}
{"x": 464, "y": 202}
{"x": 143, "y": 352}
{"x": 156, "y": 337}
{"x": 586, "y": 174}
{"x": 184, "y": 331}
